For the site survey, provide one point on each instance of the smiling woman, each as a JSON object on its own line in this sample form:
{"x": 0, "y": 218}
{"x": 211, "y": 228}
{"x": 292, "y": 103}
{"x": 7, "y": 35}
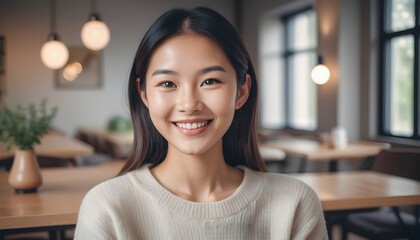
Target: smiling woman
{"x": 192, "y": 90}
{"x": 195, "y": 171}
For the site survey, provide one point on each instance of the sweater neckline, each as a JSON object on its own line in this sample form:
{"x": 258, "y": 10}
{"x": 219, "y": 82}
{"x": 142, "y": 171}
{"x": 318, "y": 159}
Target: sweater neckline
{"x": 245, "y": 194}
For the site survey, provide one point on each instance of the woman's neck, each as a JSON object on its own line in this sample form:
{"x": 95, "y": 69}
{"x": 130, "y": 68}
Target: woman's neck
{"x": 198, "y": 178}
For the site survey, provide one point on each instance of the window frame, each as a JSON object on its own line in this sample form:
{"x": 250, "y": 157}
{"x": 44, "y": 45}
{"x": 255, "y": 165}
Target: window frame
{"x": 286, "y": 55}
{"x": 384, "y": 62}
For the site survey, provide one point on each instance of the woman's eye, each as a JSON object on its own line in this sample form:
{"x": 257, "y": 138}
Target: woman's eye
{"x": 209, "y": 82}
{"x": 168, "y": 85}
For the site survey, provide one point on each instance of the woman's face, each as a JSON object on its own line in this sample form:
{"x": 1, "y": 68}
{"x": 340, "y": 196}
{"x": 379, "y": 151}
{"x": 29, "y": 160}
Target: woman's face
{"x": 191, "y": 93}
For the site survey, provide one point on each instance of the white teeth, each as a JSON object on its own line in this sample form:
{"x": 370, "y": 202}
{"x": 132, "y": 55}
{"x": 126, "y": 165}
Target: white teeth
{"x": 190, "y": 126}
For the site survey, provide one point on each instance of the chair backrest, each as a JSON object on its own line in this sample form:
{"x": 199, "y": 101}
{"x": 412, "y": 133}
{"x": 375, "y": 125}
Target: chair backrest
{"x": 52, "y": 162}
{"x": 403, "y": 162}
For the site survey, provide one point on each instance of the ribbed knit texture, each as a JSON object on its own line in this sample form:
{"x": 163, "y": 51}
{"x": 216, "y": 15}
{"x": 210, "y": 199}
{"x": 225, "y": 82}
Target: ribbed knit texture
{"x": 265, "y": 206}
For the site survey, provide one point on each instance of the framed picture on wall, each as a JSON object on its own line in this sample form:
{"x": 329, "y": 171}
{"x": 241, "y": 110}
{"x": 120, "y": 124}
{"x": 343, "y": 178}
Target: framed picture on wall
{"x": 2, "y": 53}
{"x": 82, "y": 71}
{"x": 2, "y": 70}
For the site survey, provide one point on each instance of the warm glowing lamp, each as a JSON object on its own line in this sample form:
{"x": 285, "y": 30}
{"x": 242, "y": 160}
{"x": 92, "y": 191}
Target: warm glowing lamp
{"x": 54, "y": 54}
{"x": 72, "y": 71}
{"x": 320, "y": 74}
{"x": 95, "y": 33}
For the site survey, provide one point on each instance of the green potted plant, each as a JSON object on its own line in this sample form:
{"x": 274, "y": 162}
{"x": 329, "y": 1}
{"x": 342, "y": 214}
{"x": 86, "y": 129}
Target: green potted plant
{"x": 22, "y": 128}
{"x": 119, "y": 124}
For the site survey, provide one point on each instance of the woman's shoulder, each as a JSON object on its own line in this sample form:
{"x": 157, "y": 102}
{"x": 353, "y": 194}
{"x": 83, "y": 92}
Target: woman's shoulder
{"x": 282, "y": 184}
{"x": 114, "y": 188}
{"x": 283, "y": 190}
{"x": 108, "y": 189}
{"x": 280, "y": 180}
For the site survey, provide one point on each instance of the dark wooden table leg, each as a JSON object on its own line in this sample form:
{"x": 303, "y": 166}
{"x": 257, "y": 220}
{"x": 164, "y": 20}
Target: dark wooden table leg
{"x": 333, "y": 165}
{"x": 302, "y": 165}
{"x": 329, "y": 225}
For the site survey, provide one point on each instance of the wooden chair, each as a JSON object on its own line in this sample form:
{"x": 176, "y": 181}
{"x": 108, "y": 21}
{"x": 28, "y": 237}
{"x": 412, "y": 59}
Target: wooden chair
{"x": 87, "y": 137}
{"x": 99, "y": 157}
{"x": 53, "y": 162}
{"x": 389, "y": 223}
{"x": 6, "y": 164}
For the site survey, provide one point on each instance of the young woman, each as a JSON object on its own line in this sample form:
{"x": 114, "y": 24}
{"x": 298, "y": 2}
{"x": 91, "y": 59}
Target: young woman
{"x": 195, "y": 171}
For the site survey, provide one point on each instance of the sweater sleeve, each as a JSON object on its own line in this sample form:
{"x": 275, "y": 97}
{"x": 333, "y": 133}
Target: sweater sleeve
{"x": 94, "y": 220}
{"x": 309, "y": 221}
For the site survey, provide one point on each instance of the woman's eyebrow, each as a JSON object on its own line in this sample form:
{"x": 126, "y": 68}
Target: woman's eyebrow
{"x": 213, "y": 68}
{"x": 163, "y": 71}
{"x": 203, "y": 71}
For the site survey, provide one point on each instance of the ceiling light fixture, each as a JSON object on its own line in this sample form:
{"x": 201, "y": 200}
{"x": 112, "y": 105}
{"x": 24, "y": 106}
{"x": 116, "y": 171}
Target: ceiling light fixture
{"x": 320, "y": 74}
{"x": 54, "y": 54}
{"x": 95, "y": 33}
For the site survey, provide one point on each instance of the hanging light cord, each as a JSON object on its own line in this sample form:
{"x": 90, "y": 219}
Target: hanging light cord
{"x": 53, "y": 17}
{"x": 53, "y": 25}
{"x": 93, "y": 6}
{"x": 93, "y": 14}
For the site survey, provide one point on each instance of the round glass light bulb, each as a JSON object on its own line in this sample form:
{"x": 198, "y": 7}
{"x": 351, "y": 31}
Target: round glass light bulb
{"x": 54, "y": 54}
{"x": 72, "y": 71}
{"x": 320, "y": 74}
{"x": 95, "y": 35}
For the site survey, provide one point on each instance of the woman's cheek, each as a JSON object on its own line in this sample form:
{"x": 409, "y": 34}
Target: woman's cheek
{"x": 159, "y": 103}
{"x": 224, "y": 103}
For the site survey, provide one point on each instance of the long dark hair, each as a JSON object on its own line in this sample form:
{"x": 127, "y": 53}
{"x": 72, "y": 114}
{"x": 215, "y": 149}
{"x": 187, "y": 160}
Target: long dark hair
{"x": 240, "y": 144}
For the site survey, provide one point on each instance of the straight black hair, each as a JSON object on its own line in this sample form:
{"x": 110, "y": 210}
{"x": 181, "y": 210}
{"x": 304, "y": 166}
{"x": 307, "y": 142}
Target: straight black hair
{"x": 240, "y": 142}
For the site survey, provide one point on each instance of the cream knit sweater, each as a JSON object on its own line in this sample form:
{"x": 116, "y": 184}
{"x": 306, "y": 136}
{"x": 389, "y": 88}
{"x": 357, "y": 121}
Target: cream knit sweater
{"x": 265, "y": 206}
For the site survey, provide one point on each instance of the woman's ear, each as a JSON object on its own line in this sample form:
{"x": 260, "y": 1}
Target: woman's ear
{"x": 243, "y": 92}
{"x": 142, "y": 93}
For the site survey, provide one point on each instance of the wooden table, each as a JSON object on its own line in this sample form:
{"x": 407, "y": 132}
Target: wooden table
{"x": 312, "y": 150}
{"x": 54, "y": 145}
{"x": 342, "y": 193}
{"x": 361, "y": 189}
{"x": 58, "y": 199}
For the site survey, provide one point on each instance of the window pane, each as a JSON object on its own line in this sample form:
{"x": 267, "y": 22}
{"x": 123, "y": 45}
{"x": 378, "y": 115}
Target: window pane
{"x": 272, "y": 97}
{"x": 302, "y": 31}
{"x": 303, "y": 92}
{"x": 402, "y": 14}
{"x": 300, "y": 43}
{"x": 400, "y": 86}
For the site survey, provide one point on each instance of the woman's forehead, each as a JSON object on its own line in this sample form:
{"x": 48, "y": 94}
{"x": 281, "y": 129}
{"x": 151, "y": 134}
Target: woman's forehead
{"x": 188, "y": 51}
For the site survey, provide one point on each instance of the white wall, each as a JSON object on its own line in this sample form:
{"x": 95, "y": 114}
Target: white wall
{"x": 328, "y": 13}
{"x": 25, "y": 25}
{"x": 349, "y": 56}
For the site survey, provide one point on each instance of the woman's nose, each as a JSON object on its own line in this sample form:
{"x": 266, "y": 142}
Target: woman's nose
{"x": 189, "y": 101}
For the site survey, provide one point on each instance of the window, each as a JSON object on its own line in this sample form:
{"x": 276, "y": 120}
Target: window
{"x": 399, "y": 77}
{"x": 288, "y": 93}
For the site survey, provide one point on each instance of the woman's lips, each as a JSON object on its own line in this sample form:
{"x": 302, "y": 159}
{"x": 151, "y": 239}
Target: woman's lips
{"x": 192, "y": 128}
{"x": 191, "y": 125}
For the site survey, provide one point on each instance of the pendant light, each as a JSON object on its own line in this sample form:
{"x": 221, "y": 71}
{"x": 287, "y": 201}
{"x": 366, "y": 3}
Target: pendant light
{"x": 54, "y": 54}
{"x": 320, "y": 74}
{"x": 95, "y": 33}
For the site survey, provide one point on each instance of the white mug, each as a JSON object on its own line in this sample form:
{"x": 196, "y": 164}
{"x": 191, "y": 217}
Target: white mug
{"x": 339, "y": 137}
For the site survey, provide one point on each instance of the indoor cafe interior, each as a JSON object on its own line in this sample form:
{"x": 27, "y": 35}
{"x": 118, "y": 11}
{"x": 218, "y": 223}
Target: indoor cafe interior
{"x": 338, "y": 105}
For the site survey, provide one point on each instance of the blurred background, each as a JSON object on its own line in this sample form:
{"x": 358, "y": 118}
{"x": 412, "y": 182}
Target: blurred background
{"x": 370, "y": 91}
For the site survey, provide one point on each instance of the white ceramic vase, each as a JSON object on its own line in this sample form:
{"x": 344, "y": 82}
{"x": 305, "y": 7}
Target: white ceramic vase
{"x": 339, "y": 137}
